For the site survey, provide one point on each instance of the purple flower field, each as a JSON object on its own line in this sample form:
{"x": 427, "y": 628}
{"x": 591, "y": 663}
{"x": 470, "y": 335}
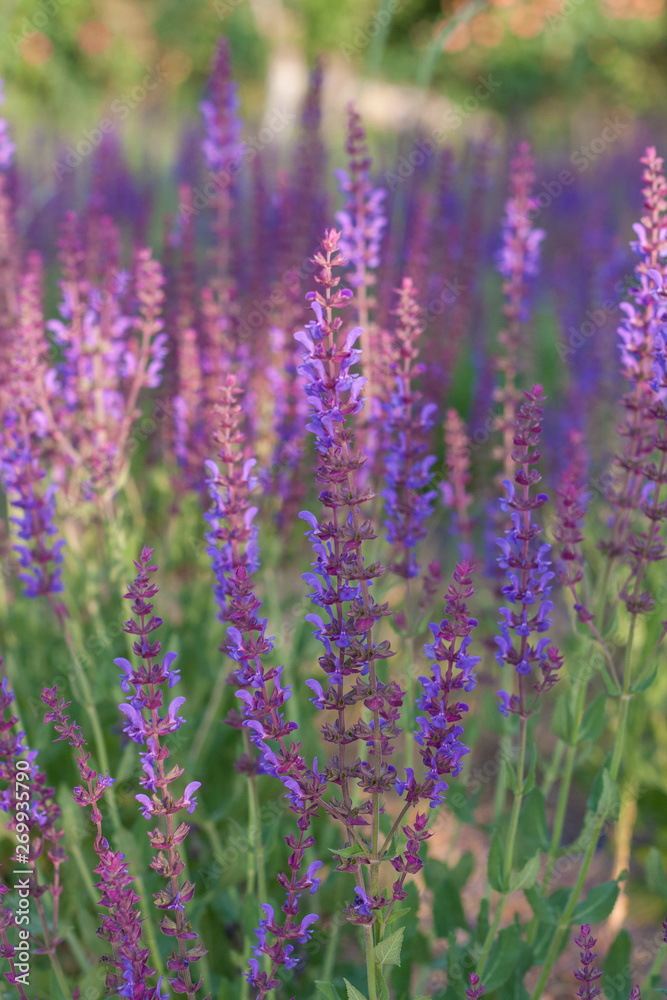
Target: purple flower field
{"x": 332, "y": 585}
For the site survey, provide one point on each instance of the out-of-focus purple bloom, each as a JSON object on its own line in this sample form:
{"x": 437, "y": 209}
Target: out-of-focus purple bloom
{"x": 40, "y": 554}
{"x": 222, "y": 144}
{"x": 7, "y": 147}
{"x": 362, "y": 219}
{"x": 407, "y": 474}
{"x": 454, "y": 489}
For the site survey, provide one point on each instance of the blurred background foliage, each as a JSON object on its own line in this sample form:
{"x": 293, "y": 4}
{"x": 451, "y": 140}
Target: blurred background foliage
{"x": 558, "y": 61}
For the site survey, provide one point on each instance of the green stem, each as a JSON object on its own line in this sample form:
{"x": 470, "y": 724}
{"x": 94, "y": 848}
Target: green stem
{"x": 553, "y": 769}
{"x": 427, "y": 63}
{"x": 370, "y": 961}
{"x": 566, "y": 920}
{"x": 509, "y": 849}
{"x": 207, "y": 721}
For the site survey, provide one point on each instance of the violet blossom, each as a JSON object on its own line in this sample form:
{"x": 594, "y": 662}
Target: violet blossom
{"x": 527, "y": 565}
{"x": 147, "y": 726}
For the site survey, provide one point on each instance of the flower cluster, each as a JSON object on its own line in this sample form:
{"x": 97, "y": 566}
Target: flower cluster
{"x": 408, "y": 501}
{"x": 518, "y": 261}
{"x": 341, "y": 579}
{"x": 527, "y": 567}
{"x": 639, "y": 481}
{"x": 587, "y": 975}
{"x": 455, "y": 488}
{"x": 362, "y": 220}
{"x": 111, "y": 338}
{"x": 128, "y": 967}
{"x": 146, "y": 726}
{"x": 222, "y": 144}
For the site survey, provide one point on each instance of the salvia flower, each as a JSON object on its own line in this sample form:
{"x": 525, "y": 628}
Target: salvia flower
{"x": 362, "y": 219}
{"x": 438, "y": 728}
{"x": 474, "y": 990}
{"x": 148, "y": 725}
{"x": 523, "y": 642}
{"x": 408, "y": 500}
{"x": 637, "y": 486}
{"x": 341, "y": 579}
{"x": 518, "y": 262}
{"x": 454, "y": 489}
{"x": 128, "y": 967}
{"x": 39, "y": 549}
{"x": 222, "y": 144}
{"x": 587, "y": 975}
{"x": 33, "y": 814}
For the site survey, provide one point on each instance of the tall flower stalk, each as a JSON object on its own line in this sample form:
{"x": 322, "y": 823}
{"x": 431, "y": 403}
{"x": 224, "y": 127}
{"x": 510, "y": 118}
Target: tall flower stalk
{"x": 147, "y": 727}
{"x": 526, "y": 564}
{"x": 128, "y": 966}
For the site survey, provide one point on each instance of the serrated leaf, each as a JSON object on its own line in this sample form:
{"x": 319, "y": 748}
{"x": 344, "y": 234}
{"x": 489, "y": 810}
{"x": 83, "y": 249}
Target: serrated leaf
{"x": 352, "y": 991}
{"x": 594, "y": 719}
{"x": 616, "y": 968}
{"x": 503, "y": 957}
{"x": 388, "y": 951}
{"x": 355, "y": 851}
{"x": 598, "y": 904}
{"x": 655, "y": 873}
{"x": 326, "y": 989}
{"x": 561, "y": 720}
{"x": 527, "y": 876}
{"x": 381, "y": 984}
{"x": 494, "y": 869}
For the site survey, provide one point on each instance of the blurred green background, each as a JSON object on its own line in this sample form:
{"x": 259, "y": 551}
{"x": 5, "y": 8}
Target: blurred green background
{"x": 557, "y": 62}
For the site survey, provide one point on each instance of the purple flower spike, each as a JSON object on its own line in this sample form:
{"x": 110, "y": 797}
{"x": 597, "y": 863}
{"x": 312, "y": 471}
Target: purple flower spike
{"x": 588, "y": 974}
{"x": 7, "y": 147}
{"x": 147, "y": 724}
{"x": 527, "y": 568}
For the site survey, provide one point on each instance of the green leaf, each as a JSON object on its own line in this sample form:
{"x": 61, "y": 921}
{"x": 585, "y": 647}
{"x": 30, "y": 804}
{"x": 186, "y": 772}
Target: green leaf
{"x": 561, "y": 720}
{"x": 533, "y": 830}
{"x": 594, "y": 718}
{"x": 355, "y": 851}
{"x": 503, "y": 958}
{"x": 616, "y": 969}
{"x": 388, "y": 951}
{"x": 655, "y": 873}
{"x": 383, "y": 992}
{"x": 463, "y": 869}
{"x": 447, "y": 908}
{"x": 540, "y": 906}
{"x": 495, "y": 864}
{"x": 352, "y": 992}
{"x": 326, "y": 990}
{"x": 527, "y": 877}
{"x": 598, "y": 904}
{"x": 643, "y": 684}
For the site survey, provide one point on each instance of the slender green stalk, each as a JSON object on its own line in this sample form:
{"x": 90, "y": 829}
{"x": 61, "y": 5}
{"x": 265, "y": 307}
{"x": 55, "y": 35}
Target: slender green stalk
{"x": 430, "y": 58}
{"x": 566, "y": 920}
{"x": 370, "y": 961}
{"x": 204, "y": 728}
{"x": 509, "y": 849}
{"x": 656, "y": 967}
